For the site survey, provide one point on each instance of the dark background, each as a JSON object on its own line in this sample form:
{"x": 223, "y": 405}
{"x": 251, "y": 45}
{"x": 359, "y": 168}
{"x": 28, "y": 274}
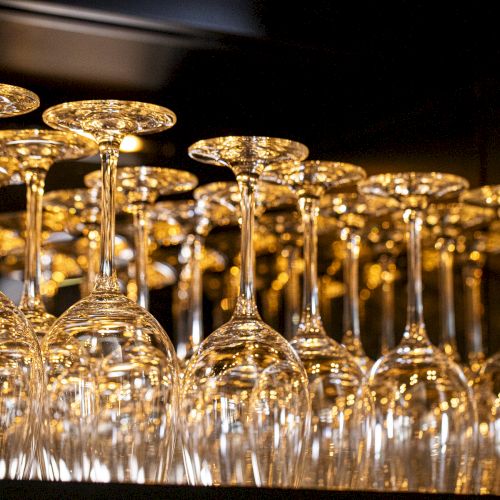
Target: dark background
{"x": 386, "y": 85}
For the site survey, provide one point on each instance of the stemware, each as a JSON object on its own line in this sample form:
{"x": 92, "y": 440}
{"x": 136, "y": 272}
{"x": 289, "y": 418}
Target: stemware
{"x": 448, "y": 221}
{"x": 386, "y": 240}
{"x": 16, "y": 100}
{"x": 80, "y": 209}
{"x": 111, "y": 368}
{"x": 352, "y": 212}
{"x": 488, "y": 383}
{"x": 197, "y": 218}
{"x": 141, "y": 186}
{"x": 340, "y": 406}
{"x": 245, "y": 404}
{"x": 21, "y": 367}
{"x": 423, "y": 433}
{"x": 36, "y": 151}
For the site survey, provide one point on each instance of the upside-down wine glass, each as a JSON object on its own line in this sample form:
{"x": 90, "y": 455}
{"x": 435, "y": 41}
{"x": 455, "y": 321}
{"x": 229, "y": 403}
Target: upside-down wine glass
{"x": 352, "y": 212}
{"x": 82, "y": 213}
{"x": 386, "y": 240}
{"x": 36, "y": 151}
{"x": 141, "y": 186}
{"x": 245, "y": 404}
{"x": 196, "y": 217}
{"x": 488, "y": 384}
{"x": 423, "y": 434}
{"x": 111, "y": 368}
{"x": 448, "y": 221}
{"x": 340, "y": 405}
{"x": 21, "y": 367}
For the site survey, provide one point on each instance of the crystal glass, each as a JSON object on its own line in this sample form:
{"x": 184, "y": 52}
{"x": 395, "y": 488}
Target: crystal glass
{"x": 352, "y": 213}
{"x": 386, "y": 238}
{"x": 141, "y": 186}
{"x": 287, "y": 225}
{"x": 488, "y": 383}
{"x": 448, "y": 221}
{"x": 245, "y": 406}
{"x": 424, "y": 430}
{"x": 16, "y": 100}
{"x": 80, "y": 209}
{"x": 340, "y": 405}
{"x": 35, "y": 151}
{"x": 21, "y": 369}
{"x": 111, "y": 368}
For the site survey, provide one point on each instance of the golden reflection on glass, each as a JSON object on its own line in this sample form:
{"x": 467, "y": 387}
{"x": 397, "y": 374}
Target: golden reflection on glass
{"x": 112, "y": 372}
{"x": 22, "y": 438}
{"x": 141, "y": 186}
{"x": 36, "y": 151}
{"x": 245, "y": 406}
{"x": 424, "y": 431}
{"x": 341, "y": 407}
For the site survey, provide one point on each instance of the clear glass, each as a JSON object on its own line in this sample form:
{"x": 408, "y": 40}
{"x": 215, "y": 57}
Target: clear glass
{"x": 488, "y": 390}
{"x": 341, "y": 408}
{"x": 244, "y": 405}
{"x": 424, "y": 433}
{"x": 22, "y": 438}
{"x": 16, "y": 100}
{"x": 111, "y": 368}
{"x": 141, "y": 186}
{"x": 352, "y": 212}
{"x": 35, "y": 151}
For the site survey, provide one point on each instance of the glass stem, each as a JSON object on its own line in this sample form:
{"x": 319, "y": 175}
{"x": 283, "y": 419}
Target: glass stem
{"x": 197, "y": 293}
{"x": 448, "y": 342}
{"x": 351, "y": 327}
{"x": 310, "y": 321}
{"x": 246, "y": 306}
{"x": 472, "y": 277}
{"x": 92, "y": 257}
{"x": 388, "y": 340}
{"x": 292, "y": 294}
{"x": 35, "y": 185}
{"x": 415, "y": 326}
{"x": 141, "y": 237}
{"x": 107, "y": 281}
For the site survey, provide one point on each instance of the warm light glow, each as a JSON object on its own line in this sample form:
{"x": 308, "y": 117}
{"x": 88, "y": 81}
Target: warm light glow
{"x": 131, "y": 144}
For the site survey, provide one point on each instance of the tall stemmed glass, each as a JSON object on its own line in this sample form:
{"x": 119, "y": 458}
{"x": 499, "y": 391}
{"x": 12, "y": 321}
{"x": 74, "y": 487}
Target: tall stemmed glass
{"x": 488, "y": 384}
{"x": 82, "y": 214}
{"x": 21, "y": 367}
{"x": 245, "y": 405}
{"x": 141, "y": 186}
{"x": 424, "y": 429}
{"x": 448, "y": 220}
{"x": 112, "y": 372}
{"x": 352, "y": 212}
{"x": 386, "y": 240}
{"x": 36, "y": 150}
{"x": 340, "y": 406}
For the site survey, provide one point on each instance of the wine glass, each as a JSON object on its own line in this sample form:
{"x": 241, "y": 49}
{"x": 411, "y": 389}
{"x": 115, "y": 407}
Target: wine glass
{"x": 80, "y": 209}
{"x": 111, "y": 368}
{"x": 352, "y": 212}
{"x": 16, "y": 100}
{"x": 386, "y": 240}
{"x": 424, "y": 429}
{"x": 488, "y": 383}
{"x": 141, "y": 187}
{"x": 21, "y": 368}
{"x": 244, "y": 402}
{"x": 340, "y": 405}
{"x": 448, "y": 221}
{"x": 36, "y": 150}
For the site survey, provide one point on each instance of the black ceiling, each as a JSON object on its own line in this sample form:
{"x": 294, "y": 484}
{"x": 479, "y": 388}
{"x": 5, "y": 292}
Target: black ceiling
{"x": 390, "y": 86}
